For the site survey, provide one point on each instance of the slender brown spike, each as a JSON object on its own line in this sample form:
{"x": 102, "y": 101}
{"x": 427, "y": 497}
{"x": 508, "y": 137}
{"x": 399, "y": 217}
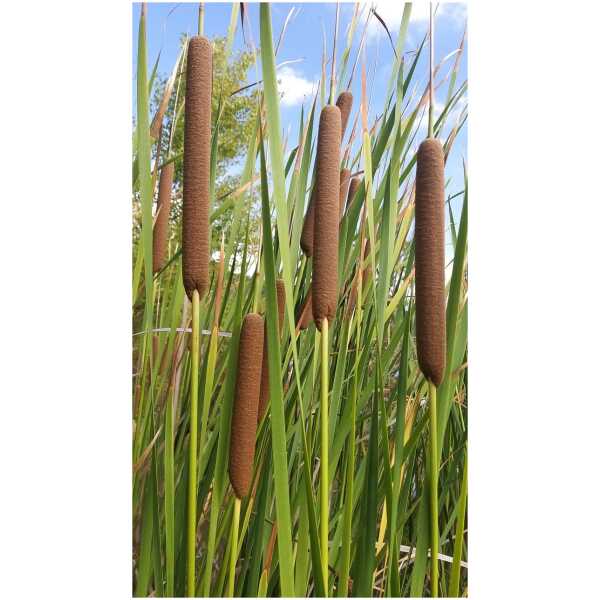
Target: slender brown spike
{"x": 354, "y": 183}
{"x": 344, "y": 186}
{"x": 429, "y": 260}
{"x": 344, "y": 103}
{"x": 308, "y": 228}
{"x": 245, "y": 404}
{"x": 280, "y": 290}
{"x": 305, "y": 316}
{"x": 196, "y": 166}
{"x": 327, "y": 216}
{"x": 161, "y": 225}
{"x": 264, "y": 377}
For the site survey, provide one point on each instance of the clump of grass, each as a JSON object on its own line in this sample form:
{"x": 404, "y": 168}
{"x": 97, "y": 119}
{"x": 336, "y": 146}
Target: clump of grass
{"x": 196, "y": 166}
{"x": 317, "y": 505}
{"x": 264, "y": 378}
{"x": 161, "y": 225}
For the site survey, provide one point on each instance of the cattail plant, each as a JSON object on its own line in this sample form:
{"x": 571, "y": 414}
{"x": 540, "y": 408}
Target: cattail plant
{"x": 324, "y": 282}
{"x": 305, "y": 317}
{"x": 161, "y": 225}
{"x": 354, "y": 183}
{"x": 430, "y": 302}
{"x": 260, "y": 466}
{"x": 245, "y": 407}
{"x": 243, "y": 421}
{"x": 264, "y": 378}
{"x": 324, "y": 290}
{"x": 308, "y": 228}
{"x": 344, "y": 104}
{"x": 344, "y": 187}
{"x": 196, "y": 202}
{"x": 196, "y": 166}
{"x": 429, "y": 260}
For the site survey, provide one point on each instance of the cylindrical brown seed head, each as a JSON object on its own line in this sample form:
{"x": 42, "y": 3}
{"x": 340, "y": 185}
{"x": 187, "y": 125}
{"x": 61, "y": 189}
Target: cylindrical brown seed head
{"x": 264, "y": 377}
{"x": 245, "y": 406}
{"x": 280, "y": 290}
{"x": 161, "y": 225}
{"x": 327, "y": 216}
{"x": 354, "y": 183}
{"x": 305, "y": 316}
{"x": 308, "y": 227}
{"x": 344, "y": 103}
{"x": 196, "y": 166}
{"x": 429, "y": 260}
{"x": 344, "y": 185}
{"x": 367, "y": 269}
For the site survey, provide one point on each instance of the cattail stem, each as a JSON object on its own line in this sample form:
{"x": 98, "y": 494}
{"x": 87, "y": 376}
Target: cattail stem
{"x": 201, "y": 18}
{"x": 430, "y": 121}
{"x": 234, "y": 543}
{"x": 192, "y": 483}
{"x": 335, "y": 34}
{"x": 349, "y": 498}
{"x": 325, "y": 453}
{"x": 433, "y": 492}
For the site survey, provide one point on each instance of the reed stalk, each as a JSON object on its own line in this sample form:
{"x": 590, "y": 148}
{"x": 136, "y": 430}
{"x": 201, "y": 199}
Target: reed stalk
{"x": 234, "y": 544}
{"x": 193, "y": 447}
{"x": 325, "y": 452}
{"x": 433, "y": 494}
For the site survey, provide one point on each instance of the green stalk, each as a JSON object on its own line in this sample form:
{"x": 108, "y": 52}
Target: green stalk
{"x": 324, "y": 455}
{"x": 234, "y": 540}
{"x": 349, "y": 499}
{"x": 458, "y": 539}
{"x": 193, "y": 469}
{"x": 430, "y": 120}
{"x": 169, "y": 470}
{"x": 208, "y": 385}
{"x": 433, "y": 494}
{"x": 201, "y": 18}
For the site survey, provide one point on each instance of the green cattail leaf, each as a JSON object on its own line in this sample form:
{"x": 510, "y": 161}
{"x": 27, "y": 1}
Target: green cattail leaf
{"x": 278, "y": 429}
{"x": 454, "y": 296}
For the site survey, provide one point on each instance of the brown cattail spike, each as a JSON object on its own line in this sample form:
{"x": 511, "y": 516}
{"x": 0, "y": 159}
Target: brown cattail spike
{"x": 247, "y": 390}
{"x": 344, "y": 185}
{"x": 305, "y": 316}
{"x": 196, "y": 166}
{"x": 264, "y": 377}
{"x": 344, "y": 103}
{"x": 161, "y": 225}
{"x": 354, "y": 183}
{"x": 308, "y": 227}
{"x": 429, "y": 260}
{"x": 367, "y": 270}
{"x": 327, "y": 216}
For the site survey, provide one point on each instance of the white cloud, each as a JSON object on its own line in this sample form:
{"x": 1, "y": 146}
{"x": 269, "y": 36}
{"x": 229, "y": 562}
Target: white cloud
{"x": 293, "y": 86}
{"x": 391, "y": 12}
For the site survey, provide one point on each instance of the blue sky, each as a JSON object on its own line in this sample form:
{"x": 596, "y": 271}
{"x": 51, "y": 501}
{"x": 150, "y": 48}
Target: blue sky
{"x": 304, "y": 43}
